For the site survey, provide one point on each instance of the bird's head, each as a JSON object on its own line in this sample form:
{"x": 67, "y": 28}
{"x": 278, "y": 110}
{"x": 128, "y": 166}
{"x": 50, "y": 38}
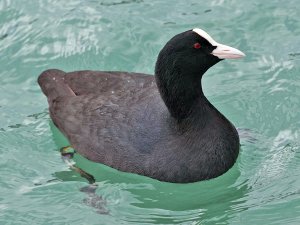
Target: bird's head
{"x": 181, "y": 64}
{"x": 193, "y": 51}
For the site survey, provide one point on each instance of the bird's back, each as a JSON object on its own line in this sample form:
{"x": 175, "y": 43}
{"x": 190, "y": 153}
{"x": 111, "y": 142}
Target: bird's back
{"x": 114, "y": 118}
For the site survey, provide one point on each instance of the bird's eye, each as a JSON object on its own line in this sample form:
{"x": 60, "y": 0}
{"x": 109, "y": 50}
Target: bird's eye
{"x": 197, "y": 45}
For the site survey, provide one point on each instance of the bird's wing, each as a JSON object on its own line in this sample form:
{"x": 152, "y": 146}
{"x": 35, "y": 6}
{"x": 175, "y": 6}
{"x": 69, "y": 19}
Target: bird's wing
{"x": 98, "y": 82}
{"x": 102, "y": 113}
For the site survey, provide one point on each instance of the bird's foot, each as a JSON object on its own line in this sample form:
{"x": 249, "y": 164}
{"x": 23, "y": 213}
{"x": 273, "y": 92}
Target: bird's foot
{"x": 92, "y": 199}
{"x": 67, "y": 154}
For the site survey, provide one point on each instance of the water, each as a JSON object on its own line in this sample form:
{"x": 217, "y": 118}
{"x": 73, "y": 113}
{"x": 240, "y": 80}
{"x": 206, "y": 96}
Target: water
{"x": 260, "y": 94}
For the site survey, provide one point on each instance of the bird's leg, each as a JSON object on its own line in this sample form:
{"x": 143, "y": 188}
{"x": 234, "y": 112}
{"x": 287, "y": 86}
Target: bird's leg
{"x": 92, "y": 199}
{"x": 67, "y": 154}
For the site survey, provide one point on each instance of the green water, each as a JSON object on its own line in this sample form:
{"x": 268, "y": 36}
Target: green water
{"x": 260, "y": 94}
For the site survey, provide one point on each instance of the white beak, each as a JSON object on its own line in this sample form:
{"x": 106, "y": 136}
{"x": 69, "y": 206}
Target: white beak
{"x": 227, "y": 52}
{"x": 221, "y": 51}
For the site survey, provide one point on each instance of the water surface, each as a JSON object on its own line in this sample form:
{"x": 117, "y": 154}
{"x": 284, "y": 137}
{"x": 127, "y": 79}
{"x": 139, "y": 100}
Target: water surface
{"x": 260, "y": 94}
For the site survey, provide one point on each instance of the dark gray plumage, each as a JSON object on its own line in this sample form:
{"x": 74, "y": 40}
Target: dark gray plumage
{"x": 161, "y": 127}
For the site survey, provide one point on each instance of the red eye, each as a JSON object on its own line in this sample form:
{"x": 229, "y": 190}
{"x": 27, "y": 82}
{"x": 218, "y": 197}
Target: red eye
{"x": 197, "y": 45}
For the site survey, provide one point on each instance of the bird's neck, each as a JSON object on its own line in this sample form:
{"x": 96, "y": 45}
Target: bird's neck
{"x": 181, "y": 92}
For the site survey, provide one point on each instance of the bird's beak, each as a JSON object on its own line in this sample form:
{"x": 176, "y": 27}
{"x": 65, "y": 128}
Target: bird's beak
{"x": 227, "y": 52}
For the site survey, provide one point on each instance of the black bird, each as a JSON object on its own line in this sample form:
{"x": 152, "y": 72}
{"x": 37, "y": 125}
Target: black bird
{"x": 158, "y": 126}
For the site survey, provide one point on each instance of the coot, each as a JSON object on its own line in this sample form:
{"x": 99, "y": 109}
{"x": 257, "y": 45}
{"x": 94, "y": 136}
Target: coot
{"x": 158, "y": 126}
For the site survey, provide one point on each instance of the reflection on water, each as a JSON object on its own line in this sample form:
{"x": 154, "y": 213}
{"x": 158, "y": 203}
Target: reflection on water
{"x": 259, "y": 94}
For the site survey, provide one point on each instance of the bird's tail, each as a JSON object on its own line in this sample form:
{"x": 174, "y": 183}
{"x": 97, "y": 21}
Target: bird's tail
{"x": 53, "y": 85}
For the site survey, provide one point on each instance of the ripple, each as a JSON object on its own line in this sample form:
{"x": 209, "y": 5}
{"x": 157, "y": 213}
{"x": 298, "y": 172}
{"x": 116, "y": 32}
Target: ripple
{"x": 120, "y": 2}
